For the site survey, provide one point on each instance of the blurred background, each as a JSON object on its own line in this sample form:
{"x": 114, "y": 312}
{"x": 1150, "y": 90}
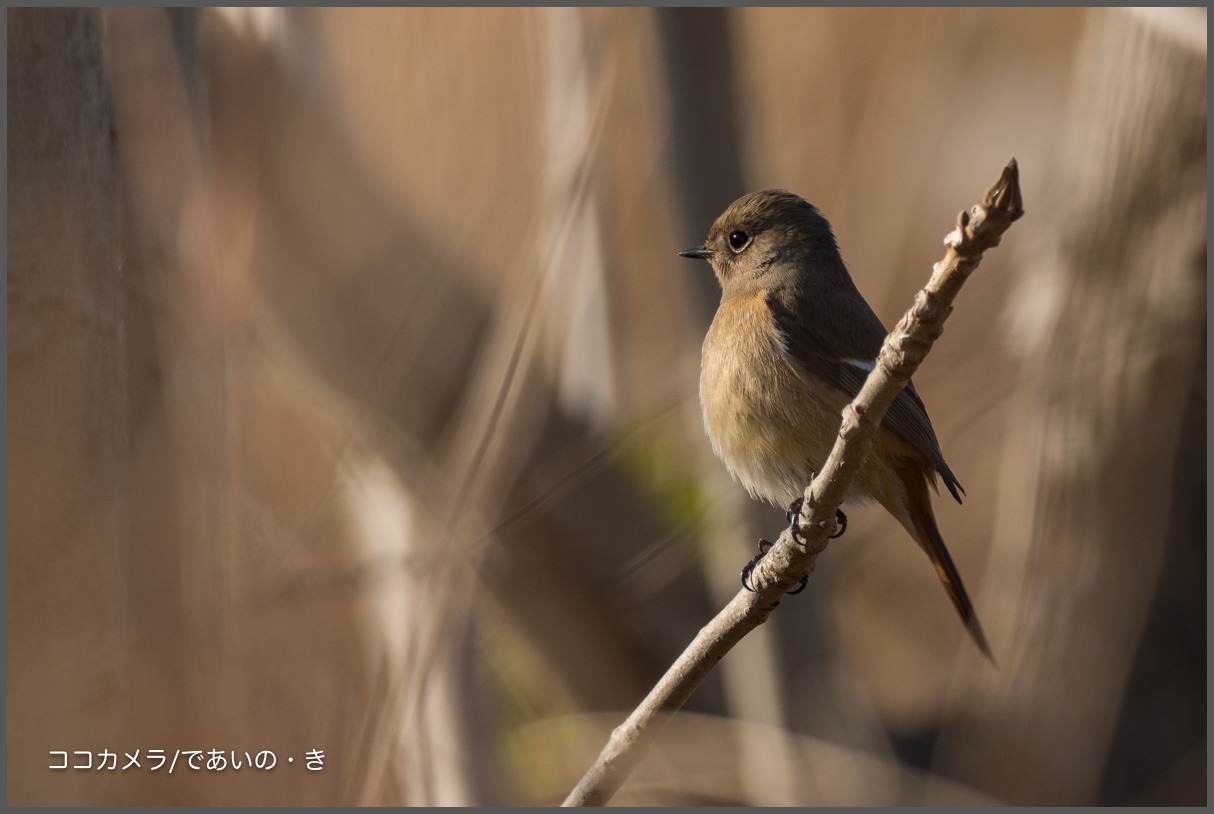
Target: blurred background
{"x": 352, "y": 403}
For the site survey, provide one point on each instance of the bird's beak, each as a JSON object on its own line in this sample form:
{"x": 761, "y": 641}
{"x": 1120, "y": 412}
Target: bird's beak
{"x": 697, "y": 253}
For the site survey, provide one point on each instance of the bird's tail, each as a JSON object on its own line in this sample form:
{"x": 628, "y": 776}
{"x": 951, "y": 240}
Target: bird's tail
{"x": 923, "y": 524}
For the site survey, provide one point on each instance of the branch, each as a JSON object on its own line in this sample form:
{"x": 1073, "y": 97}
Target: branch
{"x": 787, "y": 561}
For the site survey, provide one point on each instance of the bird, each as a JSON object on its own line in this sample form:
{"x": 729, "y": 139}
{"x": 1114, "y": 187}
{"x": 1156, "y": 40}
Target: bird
{"x": 790, "y": 345}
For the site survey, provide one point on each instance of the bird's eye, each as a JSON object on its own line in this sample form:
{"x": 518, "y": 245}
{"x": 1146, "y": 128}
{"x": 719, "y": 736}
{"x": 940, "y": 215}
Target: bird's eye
{"x": 738, "y": 240}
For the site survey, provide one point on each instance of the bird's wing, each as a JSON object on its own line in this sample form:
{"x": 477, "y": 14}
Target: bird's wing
{"x": 810, "y": 351}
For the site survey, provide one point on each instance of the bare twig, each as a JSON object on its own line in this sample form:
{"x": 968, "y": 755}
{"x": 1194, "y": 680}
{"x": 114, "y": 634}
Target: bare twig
{"x": 787, "y": 562}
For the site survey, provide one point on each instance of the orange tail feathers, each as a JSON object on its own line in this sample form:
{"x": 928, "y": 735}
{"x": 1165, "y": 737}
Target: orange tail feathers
{"x": 919, "y": 508}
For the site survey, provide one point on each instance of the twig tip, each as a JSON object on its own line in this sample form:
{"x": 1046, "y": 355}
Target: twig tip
{"x": 1004, "y": 195}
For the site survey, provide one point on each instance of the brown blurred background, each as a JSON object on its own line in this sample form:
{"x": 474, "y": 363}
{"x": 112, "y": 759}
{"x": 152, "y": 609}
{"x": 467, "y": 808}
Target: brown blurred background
{"x": 352, "y": 403}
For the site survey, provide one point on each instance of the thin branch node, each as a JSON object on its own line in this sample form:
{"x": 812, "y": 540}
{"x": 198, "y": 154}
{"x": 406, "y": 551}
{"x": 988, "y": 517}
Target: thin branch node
{"x": 852, "y": 425}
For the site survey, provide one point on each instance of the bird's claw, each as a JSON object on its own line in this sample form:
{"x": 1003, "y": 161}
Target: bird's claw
{"x": 794, "y": 519}
{"x": 841, "y": 522}
{"x": 794, "y": 509}
{"x": 764, "y": 547}
{"x": 794, "y": 516}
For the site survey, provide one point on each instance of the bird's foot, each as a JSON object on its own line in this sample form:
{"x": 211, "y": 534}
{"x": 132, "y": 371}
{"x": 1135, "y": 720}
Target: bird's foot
{"x": 841, "y": 522}
{"x": 794, "y": 509}
{"x": 764, "y": 547}
{"x": 794, "y": 520}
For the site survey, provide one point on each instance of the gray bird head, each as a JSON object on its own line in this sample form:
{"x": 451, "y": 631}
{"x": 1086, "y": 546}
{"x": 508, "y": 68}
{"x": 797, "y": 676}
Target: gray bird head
{"x": 765, "y": 236}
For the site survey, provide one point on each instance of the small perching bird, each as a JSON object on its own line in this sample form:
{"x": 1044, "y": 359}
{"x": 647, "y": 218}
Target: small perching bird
{"x": 790, "y": 346}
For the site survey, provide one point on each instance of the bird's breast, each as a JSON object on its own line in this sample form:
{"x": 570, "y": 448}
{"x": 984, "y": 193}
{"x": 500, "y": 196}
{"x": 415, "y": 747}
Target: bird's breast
{"x": 770, "y": 426}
